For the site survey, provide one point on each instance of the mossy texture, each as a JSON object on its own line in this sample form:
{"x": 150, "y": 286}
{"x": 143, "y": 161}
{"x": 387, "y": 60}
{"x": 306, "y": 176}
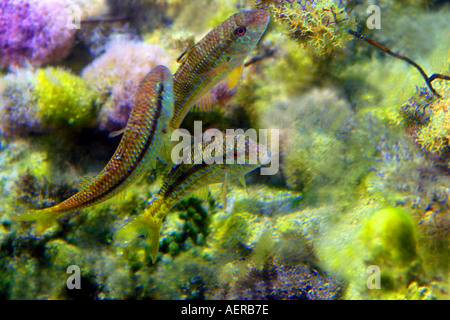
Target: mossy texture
{"x": 64, "y": 99}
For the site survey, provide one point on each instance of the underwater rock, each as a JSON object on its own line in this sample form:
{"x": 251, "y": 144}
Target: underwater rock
{"x": 390, "y": 237}
{"x": 280, "y": 282}
{"x": 33, "y": 102}
{"x": 64, "y": 99}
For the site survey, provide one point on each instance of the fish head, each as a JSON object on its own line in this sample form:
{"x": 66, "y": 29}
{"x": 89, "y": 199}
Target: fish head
{"x": 241, "y": 32}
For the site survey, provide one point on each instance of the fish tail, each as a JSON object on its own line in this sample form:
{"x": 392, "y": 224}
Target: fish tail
{"x": 147, "y": 225}
{"x": 44, "y": 219}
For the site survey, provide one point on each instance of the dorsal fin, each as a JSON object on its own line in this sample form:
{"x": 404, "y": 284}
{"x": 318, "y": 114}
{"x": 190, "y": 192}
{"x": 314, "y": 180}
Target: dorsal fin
{"x": 182, "y": 58}
{"x": 84, "y": 182}
{"x": 242, "y": 180}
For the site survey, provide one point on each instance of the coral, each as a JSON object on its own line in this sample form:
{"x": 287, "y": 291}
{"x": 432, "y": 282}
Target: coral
{"x": 52, "y": 97}
{"x": 63, "y": 98}
{"x": 116, "y": 75}
{"x": 188, "y": 229}
{"x": 18, "y": 102}
{"x": 34, "y": 31}
{"x": 428, "y": 118}
{"x": 31, "y": 192}
{"x": 184, "y": 277}
{"x": 234, "y": 234}
{"x": 317, "y": 26}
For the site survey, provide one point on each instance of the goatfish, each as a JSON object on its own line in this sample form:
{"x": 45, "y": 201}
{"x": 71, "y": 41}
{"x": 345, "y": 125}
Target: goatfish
{"x": 218, "y": 56}
{"x": 136, "y": 153}
{"x": 184, "y": 179}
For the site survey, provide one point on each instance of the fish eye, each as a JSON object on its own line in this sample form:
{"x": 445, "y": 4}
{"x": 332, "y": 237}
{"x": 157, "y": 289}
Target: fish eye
{"x": 240, "y": 31}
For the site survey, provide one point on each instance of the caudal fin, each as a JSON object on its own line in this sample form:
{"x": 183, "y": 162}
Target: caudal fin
{"x": 141, "y": 226}
{"x": 44, "y": 219}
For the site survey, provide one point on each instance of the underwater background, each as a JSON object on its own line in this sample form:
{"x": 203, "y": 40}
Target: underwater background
{"x": 359, "y": 208}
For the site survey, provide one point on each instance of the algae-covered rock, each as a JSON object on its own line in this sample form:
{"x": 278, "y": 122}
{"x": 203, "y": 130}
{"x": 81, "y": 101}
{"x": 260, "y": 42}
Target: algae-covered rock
{"x": 390, "y": 237}
{"x": 64, "y": 99}
{"x": 63, "y": 254}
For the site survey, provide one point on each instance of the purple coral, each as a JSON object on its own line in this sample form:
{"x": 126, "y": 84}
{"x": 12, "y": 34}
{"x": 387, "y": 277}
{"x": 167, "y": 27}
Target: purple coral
{"x": 34, "y": 31}
{"x": 18, "y": 105}
{"x": 117, "y": 74}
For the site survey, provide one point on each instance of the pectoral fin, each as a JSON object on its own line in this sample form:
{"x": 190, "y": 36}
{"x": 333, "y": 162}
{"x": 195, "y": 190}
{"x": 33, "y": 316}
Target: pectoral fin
{"x": 84, "y": 182}
{"x": 116, "y": 133}
{"x": 234, "y": 76}
{"x": 206, "y": 102}
{"x": 201, "y": 193}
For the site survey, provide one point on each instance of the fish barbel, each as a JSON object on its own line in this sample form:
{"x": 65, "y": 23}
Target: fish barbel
{"x": 220, "y": 54}
{"x": 136, "y": 153}
{"x": 184, "y": 179}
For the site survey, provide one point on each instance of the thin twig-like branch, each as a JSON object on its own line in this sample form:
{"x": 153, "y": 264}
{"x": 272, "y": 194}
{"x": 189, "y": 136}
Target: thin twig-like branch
{"x": 267, "y": 53}
{"x": 428, "y": 80}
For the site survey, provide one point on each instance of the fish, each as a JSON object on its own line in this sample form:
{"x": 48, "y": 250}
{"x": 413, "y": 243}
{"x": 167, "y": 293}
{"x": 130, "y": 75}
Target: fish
{"x": 135, "y": 154}
{"x": 218, "y": 56}
{"x": 187, "y": 178}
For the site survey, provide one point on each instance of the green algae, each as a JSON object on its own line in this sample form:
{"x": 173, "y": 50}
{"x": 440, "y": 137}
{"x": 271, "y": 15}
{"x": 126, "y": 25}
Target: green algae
{"x": 64, "y": 99}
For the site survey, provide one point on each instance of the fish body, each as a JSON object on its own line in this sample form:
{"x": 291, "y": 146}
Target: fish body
{"x": 183, "y": 180}
{"x": 136, "y": 153}
{"x": 219, "y": 54}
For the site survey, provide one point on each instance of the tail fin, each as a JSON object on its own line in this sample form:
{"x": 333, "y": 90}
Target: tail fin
{"x": 44, "y": 218}
{"x": 142, "y": 226}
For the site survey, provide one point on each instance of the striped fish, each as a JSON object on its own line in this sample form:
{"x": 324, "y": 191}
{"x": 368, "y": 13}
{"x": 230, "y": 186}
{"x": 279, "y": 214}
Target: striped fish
{"x": 219, "y": 55}
{"x": 136, "y": 153}
{"x": 184, "y": 179}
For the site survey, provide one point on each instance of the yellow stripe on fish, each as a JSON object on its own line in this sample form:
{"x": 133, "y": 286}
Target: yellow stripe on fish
{"x": 184, "y": 179}
{"x": 214, "y": 58}
{"x": 136, "y": 153}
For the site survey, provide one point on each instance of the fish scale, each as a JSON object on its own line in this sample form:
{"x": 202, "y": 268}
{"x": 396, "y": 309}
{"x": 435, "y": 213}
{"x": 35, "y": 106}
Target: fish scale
{"x": 183, "y": 180}
{"x": 135, "y": 154}
{"x": 213, "y": 58}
